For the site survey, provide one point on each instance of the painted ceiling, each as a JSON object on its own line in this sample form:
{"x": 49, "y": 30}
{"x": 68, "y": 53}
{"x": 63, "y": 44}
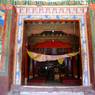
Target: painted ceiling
{"x": 66, "y": 27}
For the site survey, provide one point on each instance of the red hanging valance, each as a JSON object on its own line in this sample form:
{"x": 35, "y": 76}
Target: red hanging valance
{"x": 53, "y": 44}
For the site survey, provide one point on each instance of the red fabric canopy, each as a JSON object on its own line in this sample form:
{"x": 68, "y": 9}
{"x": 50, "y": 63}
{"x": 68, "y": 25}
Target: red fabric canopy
{"x": 53, "y": 44}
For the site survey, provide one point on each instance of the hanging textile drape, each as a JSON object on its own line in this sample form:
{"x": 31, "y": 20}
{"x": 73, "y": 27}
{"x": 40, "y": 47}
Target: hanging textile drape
{"x": 60, "y": 60}
{"x": 43, "y": 57}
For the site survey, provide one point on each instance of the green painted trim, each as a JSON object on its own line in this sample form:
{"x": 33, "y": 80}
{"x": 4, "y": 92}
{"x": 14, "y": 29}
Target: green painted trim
{"x": 7, "y": 41}
{"x": 93, "y": 1}
{"x": 31, "y": 2}
{"x": 12, "y": 2}
{"x": 93, "y": 32}
{"x": 63, "y": 2}
{"x": 0, "y": 2}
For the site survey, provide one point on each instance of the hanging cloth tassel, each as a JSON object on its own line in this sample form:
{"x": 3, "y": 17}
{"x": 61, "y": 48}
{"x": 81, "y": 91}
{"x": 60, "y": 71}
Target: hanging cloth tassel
{"x": 60, "y": 60}
{"x": 35, "y": 57}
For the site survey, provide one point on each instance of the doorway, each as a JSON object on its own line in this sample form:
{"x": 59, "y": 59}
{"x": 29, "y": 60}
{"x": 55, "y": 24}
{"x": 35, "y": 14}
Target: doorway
{"x": 51, "y": 37}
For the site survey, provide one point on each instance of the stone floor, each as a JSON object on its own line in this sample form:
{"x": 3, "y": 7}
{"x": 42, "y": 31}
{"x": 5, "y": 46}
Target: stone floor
{"x": 51, "y": 90}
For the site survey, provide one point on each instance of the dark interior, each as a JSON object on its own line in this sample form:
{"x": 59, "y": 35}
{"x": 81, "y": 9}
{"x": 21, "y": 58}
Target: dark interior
{"x": 52, "y": 42}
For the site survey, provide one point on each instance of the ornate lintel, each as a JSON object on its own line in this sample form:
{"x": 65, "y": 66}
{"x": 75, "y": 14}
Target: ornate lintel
{"x": 51, "y": 10}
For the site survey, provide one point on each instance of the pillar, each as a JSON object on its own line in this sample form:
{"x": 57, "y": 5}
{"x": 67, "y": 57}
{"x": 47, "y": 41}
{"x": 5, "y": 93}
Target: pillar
{"x": 6, "y": 68}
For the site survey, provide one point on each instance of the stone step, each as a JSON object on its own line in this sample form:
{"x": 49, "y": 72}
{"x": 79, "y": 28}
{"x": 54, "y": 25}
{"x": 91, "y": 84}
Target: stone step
{"x": 51, "y": 90}
{"x": 52, "y": 93}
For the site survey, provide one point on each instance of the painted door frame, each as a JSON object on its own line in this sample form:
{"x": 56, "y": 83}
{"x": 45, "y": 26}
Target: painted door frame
{"x": 50, "y": 13}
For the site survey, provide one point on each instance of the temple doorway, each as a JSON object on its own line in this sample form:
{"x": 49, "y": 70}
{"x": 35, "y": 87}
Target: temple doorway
{"x": 51, "y": 53}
